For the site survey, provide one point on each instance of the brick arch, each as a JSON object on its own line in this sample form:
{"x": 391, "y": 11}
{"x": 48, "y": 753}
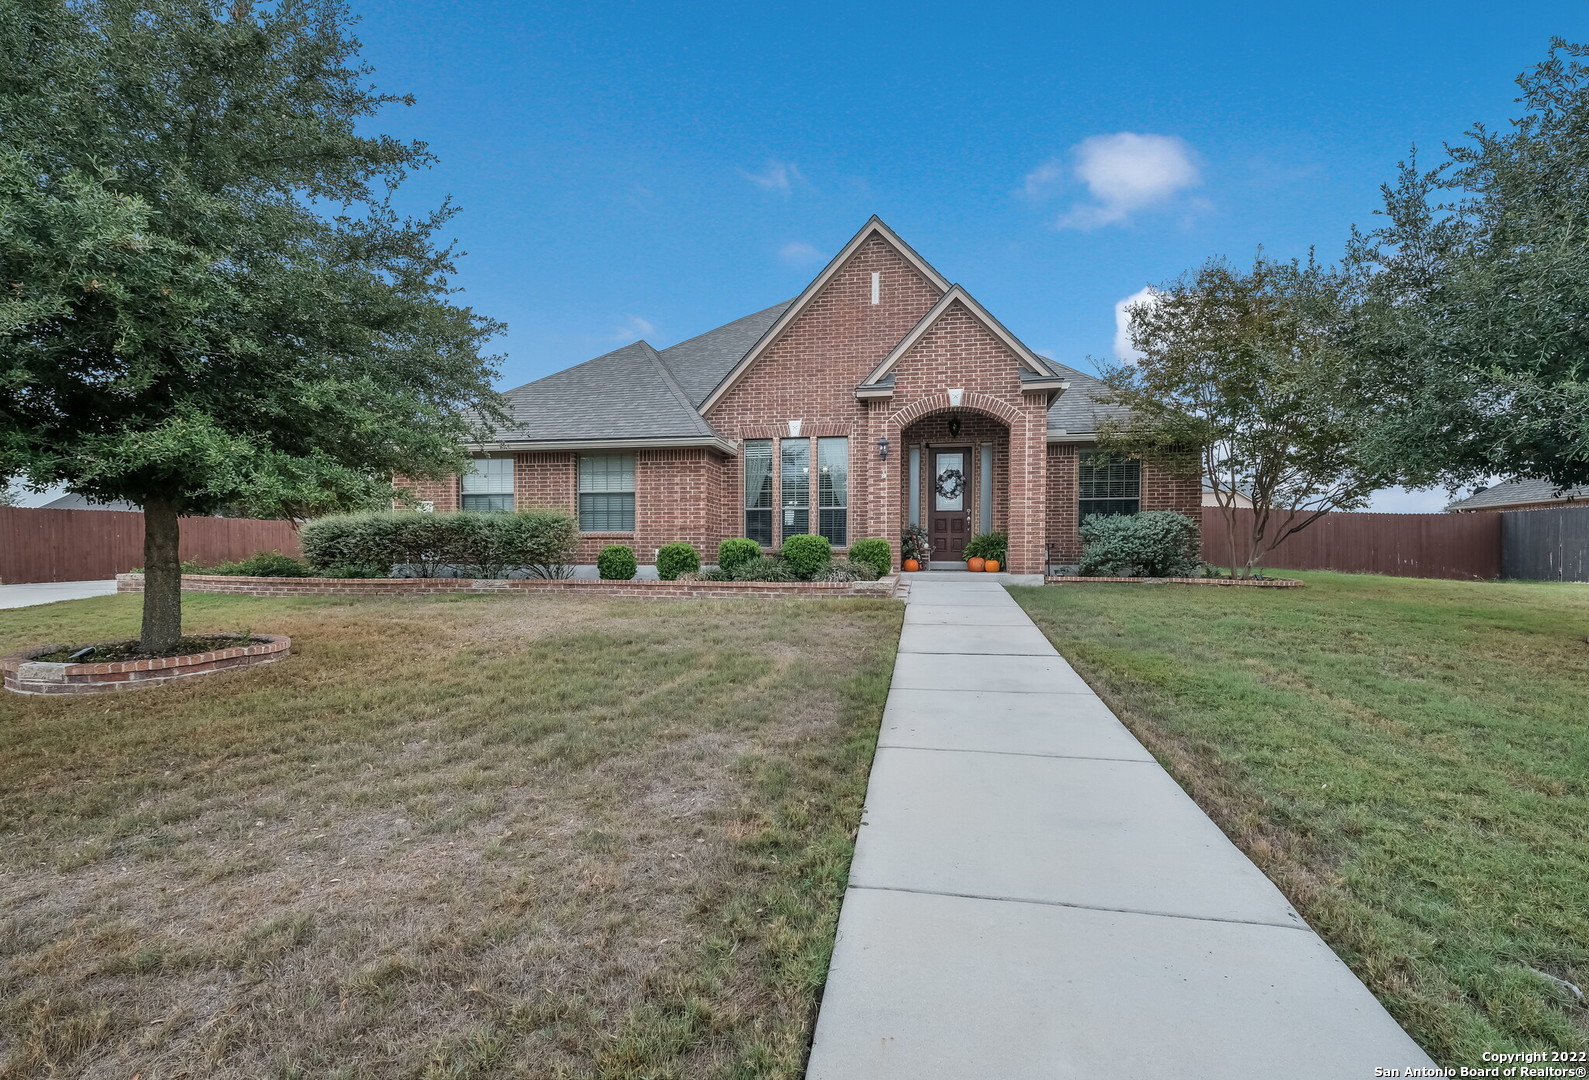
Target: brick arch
{"x": 986, "y": 404}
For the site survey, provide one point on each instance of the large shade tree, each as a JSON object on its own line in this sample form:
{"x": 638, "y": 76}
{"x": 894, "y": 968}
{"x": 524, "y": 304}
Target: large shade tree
{"x": 1474, "y": 322}
{"x": 1245, "y": 365}
{"x": 207, "y": 296}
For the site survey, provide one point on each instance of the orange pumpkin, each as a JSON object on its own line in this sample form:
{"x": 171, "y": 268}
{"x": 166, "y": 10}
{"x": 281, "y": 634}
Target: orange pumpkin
{"x": 991, "y": 566}
{"x": 911, "y": 565}
{"x": 974, "y": 565}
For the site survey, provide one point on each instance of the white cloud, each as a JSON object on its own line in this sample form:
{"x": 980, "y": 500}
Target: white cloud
{"x": 633, "y": 329}
{"x": 1402, "y": 501}
{"x": 1125, "y": 351}
{"x": 799, "y": 253}
{"x": 779, "y": 177}
{"x": 1124, "y": 173}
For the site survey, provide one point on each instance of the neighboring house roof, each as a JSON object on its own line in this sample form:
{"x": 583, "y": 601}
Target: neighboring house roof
{"x": 79, "y": 502}
{"x": 628, "y": 394}
{"x": 1518, "y": 493}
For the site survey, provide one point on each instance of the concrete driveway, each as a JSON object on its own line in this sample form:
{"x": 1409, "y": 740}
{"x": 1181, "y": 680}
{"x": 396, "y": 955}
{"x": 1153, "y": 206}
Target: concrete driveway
{"x": 48, "y": 592}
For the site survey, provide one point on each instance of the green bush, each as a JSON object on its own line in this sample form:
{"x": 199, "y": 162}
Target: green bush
{"x": 264, "y": 564}
{"x": 992, "y": 545}
{"x": 761, "y": 568}
{"x": 676, "y": 559}
{"x": 616, "y": 562}
{"x": 355, "y": 570}
{"x": 807, "y": 555}
{"x": 874, "y": 552}
{"x": 537, "y": 542}
{"x": 730, "y": 553}
{"x": 1160, "y": 543}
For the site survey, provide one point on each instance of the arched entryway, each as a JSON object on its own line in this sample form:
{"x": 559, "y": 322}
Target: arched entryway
{"x": 954, "y": 480}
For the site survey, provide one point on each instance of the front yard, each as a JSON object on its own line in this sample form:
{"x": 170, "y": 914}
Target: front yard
{"x": 472, "y": 837}
{"x": 1408, "y": 760}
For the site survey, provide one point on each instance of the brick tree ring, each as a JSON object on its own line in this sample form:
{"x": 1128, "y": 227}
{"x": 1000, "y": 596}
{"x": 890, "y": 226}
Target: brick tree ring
{"x": 25, "y": 675}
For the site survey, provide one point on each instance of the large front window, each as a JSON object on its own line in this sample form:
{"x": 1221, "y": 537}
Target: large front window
{"x": 758, "y": 490}
{"x": 606, "y": 493}
{"x": 794, "y": 485}
{"x": 488, "y": 485}
{"x": 1109, "y": 485}
{"x": 833, "y": 490}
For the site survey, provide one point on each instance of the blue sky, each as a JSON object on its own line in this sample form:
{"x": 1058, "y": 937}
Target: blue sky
{"x": 655, "y": 170}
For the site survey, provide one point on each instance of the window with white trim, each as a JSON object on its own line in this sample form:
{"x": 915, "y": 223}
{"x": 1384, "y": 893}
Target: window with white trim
{"x": 794, "y": 485}
{"x": 758, "y": 491}
{"x": 1108, "y": 485}
{"x": 833, "y": 490}
{"x": 606, "y": 493}
{"x": 488, "y": 485}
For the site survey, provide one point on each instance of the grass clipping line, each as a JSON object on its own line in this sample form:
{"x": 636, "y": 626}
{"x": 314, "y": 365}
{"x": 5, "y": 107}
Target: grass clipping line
{"x": 473, "y": 837}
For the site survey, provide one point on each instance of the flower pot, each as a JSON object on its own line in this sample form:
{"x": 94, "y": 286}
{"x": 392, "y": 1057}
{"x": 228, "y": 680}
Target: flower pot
{"x": 974, "y": 565}
{"x": 911, "y": 566}
{"x": 991, "y": 566}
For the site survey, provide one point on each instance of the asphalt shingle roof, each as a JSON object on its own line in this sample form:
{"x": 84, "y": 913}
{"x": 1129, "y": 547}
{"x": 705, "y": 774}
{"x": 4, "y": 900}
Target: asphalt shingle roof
{"x": 1516, "y": 493}
{"x": 1077, "y": 411}
{"x": 702, "y": 362}
{"x": 626, "y": 394}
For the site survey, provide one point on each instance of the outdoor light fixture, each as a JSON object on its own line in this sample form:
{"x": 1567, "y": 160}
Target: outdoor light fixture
{"x": 954, "y": 425}
{"x": 882, "y": 448}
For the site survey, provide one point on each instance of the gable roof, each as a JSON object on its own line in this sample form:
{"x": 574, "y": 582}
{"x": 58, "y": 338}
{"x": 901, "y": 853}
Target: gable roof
{"x": 1518, "y": 493}
{"x": 1035, "y": 367}
{"x": 628, "y": 394}
{"x": 703, "y": 361}
{"x": 873, "y": 227}
{"x": 1079, "y": 410}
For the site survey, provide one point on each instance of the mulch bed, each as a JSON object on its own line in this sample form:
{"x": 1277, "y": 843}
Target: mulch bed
{"x": 105, "y": 652}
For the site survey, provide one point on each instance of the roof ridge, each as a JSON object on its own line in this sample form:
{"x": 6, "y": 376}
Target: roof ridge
{"x": 675, "y": 389}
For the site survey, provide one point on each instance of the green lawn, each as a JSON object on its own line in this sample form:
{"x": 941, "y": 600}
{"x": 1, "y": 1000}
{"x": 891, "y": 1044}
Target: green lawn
{"x": 470, "y": 837}
{"x": 1407, "y": 759}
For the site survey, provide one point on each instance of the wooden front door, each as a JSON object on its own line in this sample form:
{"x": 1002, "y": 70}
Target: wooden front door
{"x": 949, "y": 504}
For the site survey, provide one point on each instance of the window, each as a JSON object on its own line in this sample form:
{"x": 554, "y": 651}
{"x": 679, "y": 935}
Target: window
{"x": 488, "y": 485}
{"x": 794, "y": 485}
{"x": 833, "y": 490}
{"x": 758, "y": 491}
{"x": 606, "y": 493}
{"x": 1109, "y": 486}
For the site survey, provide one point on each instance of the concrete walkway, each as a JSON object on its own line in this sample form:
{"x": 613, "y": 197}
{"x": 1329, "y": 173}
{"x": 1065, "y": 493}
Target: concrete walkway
{"x": 1032, "y": 896}
{"x": 48, "y": 592}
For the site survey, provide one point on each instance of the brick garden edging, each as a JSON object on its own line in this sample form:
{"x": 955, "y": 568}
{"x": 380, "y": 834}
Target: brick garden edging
{"x": 1246, "y": 583}
{"x": 883, "y": 588}
{"x": 24, "y": 675}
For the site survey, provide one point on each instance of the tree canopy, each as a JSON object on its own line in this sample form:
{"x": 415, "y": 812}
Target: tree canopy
{"x": 207, "y": 296}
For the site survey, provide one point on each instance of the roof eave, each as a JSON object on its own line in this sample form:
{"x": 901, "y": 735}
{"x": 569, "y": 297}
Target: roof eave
{"x": 530, "y": 446}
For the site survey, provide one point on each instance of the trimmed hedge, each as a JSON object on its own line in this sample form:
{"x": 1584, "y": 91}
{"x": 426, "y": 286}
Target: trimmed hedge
{"x": 875, "y": 553}
{"x": 807, "y": 555}
{"x": 730, "y": 553}
{"x": 616, "y": 562}
{"x": 540, "y": 543}
{"x": 1159, "y": 543}
{"x": 676, "y": 559}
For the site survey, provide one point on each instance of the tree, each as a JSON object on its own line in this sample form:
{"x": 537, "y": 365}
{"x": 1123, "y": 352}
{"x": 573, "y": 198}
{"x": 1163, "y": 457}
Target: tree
{"x": 1246, "y": 366}
{"x": 207, "y": 297}
{"x": 1475, "y": 298}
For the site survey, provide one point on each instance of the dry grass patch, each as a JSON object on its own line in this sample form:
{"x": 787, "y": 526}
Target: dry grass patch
{"x": 470, "y": 837}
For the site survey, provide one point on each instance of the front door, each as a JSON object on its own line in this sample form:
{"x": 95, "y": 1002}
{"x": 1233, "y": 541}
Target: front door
{"x": 949, "y": 500}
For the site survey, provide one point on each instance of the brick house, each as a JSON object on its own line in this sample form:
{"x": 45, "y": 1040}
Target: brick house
{"x": 881, "y": 396}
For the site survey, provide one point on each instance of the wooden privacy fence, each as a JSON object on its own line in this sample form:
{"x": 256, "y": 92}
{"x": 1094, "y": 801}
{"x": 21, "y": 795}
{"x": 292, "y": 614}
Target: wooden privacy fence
{"x": 1545, "y": 545}
{"x": 1463, "y": 546}
{"x": 92, "y": 545}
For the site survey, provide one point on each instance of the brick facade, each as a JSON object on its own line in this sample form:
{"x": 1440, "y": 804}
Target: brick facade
{"x": 802, "y": 385}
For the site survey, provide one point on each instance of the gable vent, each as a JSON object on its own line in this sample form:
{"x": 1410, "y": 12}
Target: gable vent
{"x": 877, "y": 286}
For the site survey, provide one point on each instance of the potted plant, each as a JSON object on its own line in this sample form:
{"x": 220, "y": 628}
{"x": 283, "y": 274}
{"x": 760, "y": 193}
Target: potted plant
{"x": 986, "y": 551}
{"x": 915, "y": 544}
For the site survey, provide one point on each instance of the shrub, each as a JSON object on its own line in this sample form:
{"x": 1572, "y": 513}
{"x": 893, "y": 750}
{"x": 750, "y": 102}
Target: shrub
{"x": 761, "y": 568}
{"x": 538, "y": 542}
{"x": 992, "y": 545}
{"x": 264, "y": 564}
{"x": 807, "y": 555}
{"x": 850, "y": 570}
{"x": 1159, "y": 543}
{"x": 676, "y": 559}
{"x": 875, "y": 553}
{"x": 730, "y": 553}
{"x": 355, "y": 570}
{"x": 616, "y": 562}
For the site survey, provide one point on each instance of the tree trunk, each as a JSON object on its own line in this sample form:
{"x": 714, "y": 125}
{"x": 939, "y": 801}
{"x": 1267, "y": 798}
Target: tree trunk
{"x": 162, "y": 577}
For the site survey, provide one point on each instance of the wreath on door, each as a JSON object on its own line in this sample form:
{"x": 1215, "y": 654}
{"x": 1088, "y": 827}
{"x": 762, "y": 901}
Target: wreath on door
{"x": 950, "y": 483}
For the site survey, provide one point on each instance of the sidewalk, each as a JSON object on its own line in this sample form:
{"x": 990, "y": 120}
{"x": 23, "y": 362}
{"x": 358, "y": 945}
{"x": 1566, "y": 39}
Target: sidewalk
{"x": 48, "y": 592}
{"x": 1033, "y": 896}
